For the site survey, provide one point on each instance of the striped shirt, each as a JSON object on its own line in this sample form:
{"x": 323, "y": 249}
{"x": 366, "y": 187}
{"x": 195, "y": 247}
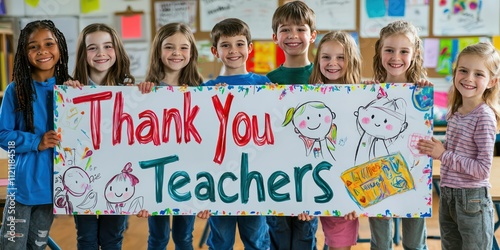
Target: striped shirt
{"x": 470, "y": 140}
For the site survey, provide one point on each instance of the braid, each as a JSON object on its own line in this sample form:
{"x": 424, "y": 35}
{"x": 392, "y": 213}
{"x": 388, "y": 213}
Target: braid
{"x": 24, "y": 88}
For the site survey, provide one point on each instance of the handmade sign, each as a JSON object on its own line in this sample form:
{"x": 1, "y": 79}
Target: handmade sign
{"x": 244, "y": 150}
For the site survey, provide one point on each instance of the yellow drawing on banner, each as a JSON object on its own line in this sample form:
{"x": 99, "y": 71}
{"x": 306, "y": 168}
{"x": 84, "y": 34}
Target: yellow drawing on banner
{"x": 375, "y": 180}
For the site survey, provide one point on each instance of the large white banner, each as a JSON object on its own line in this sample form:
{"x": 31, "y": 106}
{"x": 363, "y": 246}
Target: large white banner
{"x": 244, "y": 150}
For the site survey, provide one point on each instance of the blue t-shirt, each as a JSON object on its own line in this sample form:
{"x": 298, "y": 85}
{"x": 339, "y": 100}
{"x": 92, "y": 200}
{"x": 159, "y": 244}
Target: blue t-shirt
{"x": 244, "y": 79}
{"x": 33, "y": 169}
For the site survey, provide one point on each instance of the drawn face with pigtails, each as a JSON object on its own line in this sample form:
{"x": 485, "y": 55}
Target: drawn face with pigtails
{"x": 312, "y": 119}
{"x": 383, "y": 118}
{"x": 121, "y": 187}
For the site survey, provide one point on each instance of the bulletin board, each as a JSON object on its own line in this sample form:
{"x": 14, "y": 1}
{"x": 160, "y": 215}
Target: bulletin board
{"x": 208, "y": 69}
{"x": 366, "y": 45}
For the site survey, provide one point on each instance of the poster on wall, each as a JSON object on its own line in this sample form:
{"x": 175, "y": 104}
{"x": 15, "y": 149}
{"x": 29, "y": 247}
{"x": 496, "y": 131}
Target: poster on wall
{"x": 257, "y": 14}
{"x": 175, "y": 11}
{"x": 138, "y": 54}
{"x": 244, "y": 150}
{"x": 466, "y": 18}
{"x": 376, "y": 14}
{"x": 334, "y": 14}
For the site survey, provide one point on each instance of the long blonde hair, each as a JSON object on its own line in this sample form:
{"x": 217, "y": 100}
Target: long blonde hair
{"x": 351, "y": 54}
{"x": 416, "y": 70}
{"x": 491, "y": 59}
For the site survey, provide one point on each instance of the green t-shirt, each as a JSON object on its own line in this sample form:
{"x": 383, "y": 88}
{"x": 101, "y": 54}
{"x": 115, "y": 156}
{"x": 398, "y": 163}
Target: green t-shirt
{"x": 284, "y": 75}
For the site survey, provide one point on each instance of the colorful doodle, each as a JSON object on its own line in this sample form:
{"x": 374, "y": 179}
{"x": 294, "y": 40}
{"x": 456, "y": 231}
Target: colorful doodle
{"x": 378, "y": 179}
{"x": 379, "y": 122}
{"x": 313, "y": 121}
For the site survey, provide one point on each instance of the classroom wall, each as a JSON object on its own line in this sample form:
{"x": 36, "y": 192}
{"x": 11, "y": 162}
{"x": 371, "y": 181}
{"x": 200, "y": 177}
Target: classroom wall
{"x": 70, "y": 19}
{"x": 255, "y": 12}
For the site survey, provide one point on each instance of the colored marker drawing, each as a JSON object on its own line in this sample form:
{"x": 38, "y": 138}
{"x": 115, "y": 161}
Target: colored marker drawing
{"x": 120, "y": 189}
{"x": 379, "y": 123}
{"x": 382, "y": 177}
{"x": 76, "y": 183}
{"x": 468, "y": 8}
{"x": 72, "y": 117}
{"x": 313, "y": 121}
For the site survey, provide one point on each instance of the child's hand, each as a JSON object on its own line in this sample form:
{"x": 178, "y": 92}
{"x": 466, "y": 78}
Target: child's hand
{"x": 424, "y": 83}
{"x": 305, "y": 217}
{"x": 218, "y": 85}
{"x": 351, "y": 216}
{"x": 433, "y": 148}
{"x": 143, "y": 214}
{"x": 205, "y": 214}
{"x": 49, "y": 140}
{"x": 371, "y": 82}
{"x": 271, "y": 84}
{"x": 73, "y": 83}
{"x": 146, "y": 87}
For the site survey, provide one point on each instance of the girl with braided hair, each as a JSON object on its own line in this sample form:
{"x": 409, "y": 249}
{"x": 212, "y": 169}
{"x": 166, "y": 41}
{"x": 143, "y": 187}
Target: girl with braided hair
{"x": 26, "y": 133}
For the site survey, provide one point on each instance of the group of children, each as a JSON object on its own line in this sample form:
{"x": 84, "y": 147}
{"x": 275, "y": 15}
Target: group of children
{"x": 26, "y": 121}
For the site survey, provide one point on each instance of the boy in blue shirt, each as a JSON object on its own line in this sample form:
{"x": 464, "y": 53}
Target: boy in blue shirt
{"x": 232, "y": 43}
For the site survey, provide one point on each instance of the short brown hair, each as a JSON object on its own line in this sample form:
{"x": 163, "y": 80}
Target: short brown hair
{"x": 230, "y": 27}
{"x": 296, "y": 12}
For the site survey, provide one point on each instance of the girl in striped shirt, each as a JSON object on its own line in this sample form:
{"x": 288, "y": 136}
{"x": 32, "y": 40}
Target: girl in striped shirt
{"x": 465, "y": 206}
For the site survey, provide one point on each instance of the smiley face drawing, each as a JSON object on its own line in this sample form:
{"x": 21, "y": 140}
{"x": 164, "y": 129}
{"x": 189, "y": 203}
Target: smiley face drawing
{"x": 380, "y": 122}
{"x": 313, "y": 121}
{"x": 120, "y": 189}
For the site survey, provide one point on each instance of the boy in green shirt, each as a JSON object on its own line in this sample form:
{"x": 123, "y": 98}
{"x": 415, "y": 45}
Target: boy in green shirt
{"x": 294, "y": 29}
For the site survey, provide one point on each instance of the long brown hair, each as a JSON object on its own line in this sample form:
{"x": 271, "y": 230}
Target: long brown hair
{"x": 189, "y": 75}
{"x": 351, "y": 55}
{"x": 491, "y": 59}
{"x": 25, "y": 91}
{"x": 119, "y": 73}
{"x": 416, "y": 70}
